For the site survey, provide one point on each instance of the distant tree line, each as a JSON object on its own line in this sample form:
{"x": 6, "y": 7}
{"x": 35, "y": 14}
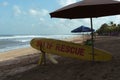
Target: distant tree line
{"x": 110, "y": 29}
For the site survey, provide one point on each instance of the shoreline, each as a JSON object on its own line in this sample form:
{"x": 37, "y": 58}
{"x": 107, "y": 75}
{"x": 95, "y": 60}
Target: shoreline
{"x": 23, "y": 67}
{"x": 11, "y": 54}
{"x": 22, "y": 59}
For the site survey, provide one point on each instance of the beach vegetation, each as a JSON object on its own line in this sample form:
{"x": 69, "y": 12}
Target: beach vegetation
{"x": 109, "y": 29}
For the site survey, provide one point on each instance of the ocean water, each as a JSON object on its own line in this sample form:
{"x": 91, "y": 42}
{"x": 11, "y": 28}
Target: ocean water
{"x": 10, "y": 42}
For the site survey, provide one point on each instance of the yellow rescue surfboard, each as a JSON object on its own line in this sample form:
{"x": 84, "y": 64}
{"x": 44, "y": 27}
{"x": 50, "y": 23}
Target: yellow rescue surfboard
{"x": 69, "y": 49}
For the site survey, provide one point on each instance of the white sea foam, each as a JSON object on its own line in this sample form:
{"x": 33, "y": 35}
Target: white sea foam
{"x": 23, "y": 40}
{"x": 13, "y": 47}
{"x": 19, "y": 36}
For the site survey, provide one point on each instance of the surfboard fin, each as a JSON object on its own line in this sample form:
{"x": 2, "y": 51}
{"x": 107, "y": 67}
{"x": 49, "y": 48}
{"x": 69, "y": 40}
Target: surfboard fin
{"x": 43, "y": 61}
{"x": 52, "y": 59}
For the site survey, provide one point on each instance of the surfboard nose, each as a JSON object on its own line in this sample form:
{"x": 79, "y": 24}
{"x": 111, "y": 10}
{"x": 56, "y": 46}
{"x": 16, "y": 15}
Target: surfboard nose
{"x": 32, "y": 42}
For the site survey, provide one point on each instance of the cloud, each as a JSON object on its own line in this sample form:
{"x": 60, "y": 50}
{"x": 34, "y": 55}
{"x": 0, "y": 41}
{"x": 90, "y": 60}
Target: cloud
{"x": 4, "y": 4}
{"x": 42, "y": 19}
{"x": 117, "y": 0}
{"x": 97, "y": 22}
{"x": 66, "y": 2}
{"x": 71, "y": 24}
{"x": 17, "y": 10}
{"x": 35, "y": 12}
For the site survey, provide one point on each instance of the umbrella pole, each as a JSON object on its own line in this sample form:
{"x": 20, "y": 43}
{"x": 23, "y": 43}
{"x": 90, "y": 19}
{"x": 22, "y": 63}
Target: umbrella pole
{"x": 92, "y": 37}
{"x": 83, "y": 37}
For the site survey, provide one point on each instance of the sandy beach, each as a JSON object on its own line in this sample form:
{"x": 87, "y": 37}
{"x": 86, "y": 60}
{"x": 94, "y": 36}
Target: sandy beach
{"x": 13, "y": 66}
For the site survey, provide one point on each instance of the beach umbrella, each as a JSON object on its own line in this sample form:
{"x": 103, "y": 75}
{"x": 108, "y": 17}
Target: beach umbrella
{"x": 88, "y": 9}
{"x": 82, "y": 29}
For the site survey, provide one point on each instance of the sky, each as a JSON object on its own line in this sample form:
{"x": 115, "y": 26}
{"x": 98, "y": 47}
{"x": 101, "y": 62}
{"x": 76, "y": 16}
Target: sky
{"x": 32, "y": 17}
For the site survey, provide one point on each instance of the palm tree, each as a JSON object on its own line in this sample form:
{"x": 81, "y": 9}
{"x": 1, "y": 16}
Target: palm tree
{"x": 113, "y": 29}
{"x": 103, "y": 29}
{"x": 109, "y": 29}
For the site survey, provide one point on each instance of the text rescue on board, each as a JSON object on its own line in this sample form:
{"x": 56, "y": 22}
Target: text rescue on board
{"x": 61, "y": 48}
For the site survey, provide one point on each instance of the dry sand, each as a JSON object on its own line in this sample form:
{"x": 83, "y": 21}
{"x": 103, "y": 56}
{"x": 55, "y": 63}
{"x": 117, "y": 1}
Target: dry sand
{"x": 25, "y": 67}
